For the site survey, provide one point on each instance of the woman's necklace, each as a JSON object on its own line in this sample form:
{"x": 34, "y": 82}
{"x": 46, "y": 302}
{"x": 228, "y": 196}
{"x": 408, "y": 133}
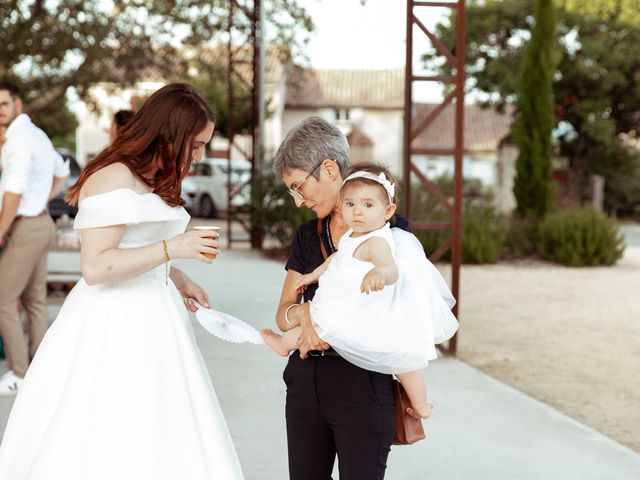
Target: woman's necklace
{"x": 328, "y": 234}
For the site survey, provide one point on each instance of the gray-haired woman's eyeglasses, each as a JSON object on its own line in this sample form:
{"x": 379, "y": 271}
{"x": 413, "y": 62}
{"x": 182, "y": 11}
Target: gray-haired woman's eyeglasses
{"x": 295, "y": 192}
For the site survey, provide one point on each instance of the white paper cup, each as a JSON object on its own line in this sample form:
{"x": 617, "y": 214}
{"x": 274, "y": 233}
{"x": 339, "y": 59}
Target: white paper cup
{"x": 212, "y": 229}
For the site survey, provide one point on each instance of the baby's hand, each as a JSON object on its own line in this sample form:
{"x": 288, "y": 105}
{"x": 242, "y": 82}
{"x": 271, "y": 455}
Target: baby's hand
{"x": 422, "y": 411}
{"x": 373, "y": 281}
{"x": 303, "y": 281}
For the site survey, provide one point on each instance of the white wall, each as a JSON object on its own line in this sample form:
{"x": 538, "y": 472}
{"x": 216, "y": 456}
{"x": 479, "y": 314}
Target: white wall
{"x": 92, "y": 133}
{"x": 292, "y": 117}
{"x": 273, "y": 125}
{"x": 505, "y": 200}
{"x": 481, "y": 168}
{"x": 241, "y": 141}
{"x": 384, "y": 127}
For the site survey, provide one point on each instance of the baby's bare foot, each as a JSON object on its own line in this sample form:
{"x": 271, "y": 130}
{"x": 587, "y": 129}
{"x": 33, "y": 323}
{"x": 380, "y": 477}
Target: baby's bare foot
{"x": 422, "y": 411}
{"x": 274, "y": 340}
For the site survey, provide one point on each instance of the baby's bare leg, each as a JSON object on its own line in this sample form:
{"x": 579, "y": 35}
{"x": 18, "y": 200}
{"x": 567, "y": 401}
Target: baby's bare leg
{"x": 416, "y": 389}
{"x": 282, "y": 344}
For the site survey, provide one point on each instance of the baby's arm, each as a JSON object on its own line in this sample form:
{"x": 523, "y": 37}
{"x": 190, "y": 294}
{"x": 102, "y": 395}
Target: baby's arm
{"x": 377, "y": 251}
{"x": 314, "y": 276}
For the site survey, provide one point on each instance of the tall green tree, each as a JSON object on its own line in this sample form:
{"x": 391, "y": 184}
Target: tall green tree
{"x": 596, "y": 92}
{"x": 50, "y": 46}
{"x": 212, "y": 84}
{"x": 532, "y": 130}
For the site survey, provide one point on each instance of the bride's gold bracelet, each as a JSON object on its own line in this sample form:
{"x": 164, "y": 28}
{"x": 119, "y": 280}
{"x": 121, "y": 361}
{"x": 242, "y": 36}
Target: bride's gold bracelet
{"x": 166, "y": 261}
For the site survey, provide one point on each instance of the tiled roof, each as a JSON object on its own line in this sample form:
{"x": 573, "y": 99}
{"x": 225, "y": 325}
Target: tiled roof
{"x": 384, "y": 89}
{"x": 484, "y": 128}
{"x": 312, "y": 88}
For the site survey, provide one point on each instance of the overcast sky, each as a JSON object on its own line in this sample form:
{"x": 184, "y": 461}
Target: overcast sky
{"x": 351, "y": 35}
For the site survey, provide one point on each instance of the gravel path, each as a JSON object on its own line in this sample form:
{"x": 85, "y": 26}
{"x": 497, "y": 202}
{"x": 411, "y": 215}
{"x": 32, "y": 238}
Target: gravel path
{"x": 566, "y": 336}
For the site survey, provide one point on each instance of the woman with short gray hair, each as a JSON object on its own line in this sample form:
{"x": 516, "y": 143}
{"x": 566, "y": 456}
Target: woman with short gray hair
{"x": 310, "y": 142}
{"x": 332, "y": 406}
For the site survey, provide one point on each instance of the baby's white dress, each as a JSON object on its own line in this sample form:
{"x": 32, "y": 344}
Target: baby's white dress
{"x": 393, "y": 330}
{"x": 118, "y": 388}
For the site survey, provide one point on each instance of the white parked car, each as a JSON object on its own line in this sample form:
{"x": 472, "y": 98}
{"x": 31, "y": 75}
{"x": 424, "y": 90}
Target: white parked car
{"x": 205, "y": 190}
{"x": 240, "y": 170}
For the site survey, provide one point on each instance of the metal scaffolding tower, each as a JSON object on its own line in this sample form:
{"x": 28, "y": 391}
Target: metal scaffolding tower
{"x": 411, "y": 132}
{"x": 237, "y": 56}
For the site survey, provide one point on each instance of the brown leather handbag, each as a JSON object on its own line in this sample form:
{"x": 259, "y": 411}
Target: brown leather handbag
{"x": 408, "y": 429}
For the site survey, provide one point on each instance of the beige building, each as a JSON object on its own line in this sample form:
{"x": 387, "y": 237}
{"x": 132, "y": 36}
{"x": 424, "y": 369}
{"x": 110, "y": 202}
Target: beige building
{"x": 367, "y": 102}
{"x": 484, "y": 130}
{"x": 92, "y": 133}
{"x": 367, "y": 105}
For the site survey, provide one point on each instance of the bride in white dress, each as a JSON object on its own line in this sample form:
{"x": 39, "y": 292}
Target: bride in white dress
{"x": 119, "y": 389}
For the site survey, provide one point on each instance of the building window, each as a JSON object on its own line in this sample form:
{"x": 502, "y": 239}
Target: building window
{"x": 341, "y": 114}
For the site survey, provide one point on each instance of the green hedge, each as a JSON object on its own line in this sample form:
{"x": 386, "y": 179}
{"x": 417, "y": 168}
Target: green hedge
{"x": 483, "y": 234}
{"x": 272, "y": 208}
{"x": 580, "y": 237}
{"x": 572, "y": 237}
{"x": 483, "y": 229}
{"x": 522, "y": 237}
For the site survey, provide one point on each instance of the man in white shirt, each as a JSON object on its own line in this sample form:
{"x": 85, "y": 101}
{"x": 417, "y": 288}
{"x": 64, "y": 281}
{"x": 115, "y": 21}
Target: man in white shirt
{"x": 31, "y": 172}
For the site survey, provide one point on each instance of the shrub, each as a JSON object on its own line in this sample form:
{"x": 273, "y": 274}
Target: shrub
{"x": 273, "y": 210}
{"x": 522, "y": 236}
{"x": 425, "y": 207}
{"x": 483, "y": 233}
{"x": 580, "y": 237}
{"x": 620, "y": 165}
{"x": 432, "y": 239}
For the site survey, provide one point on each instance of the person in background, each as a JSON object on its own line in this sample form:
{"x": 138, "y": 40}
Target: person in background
{"x": 3, "y": 130}
{"x": 31, "y": 170}
{"x": 120, "y": 119}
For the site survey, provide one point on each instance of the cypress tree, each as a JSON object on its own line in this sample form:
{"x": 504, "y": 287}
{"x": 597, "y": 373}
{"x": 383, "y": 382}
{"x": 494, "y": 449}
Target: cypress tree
{"x": 532, "y": 130}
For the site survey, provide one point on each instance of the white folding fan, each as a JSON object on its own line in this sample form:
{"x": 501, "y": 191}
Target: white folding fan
{"x": 227, "y": 327}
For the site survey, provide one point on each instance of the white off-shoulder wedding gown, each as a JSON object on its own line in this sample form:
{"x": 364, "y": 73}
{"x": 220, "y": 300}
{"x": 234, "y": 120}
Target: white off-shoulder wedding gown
{"x": 118, "y": 388}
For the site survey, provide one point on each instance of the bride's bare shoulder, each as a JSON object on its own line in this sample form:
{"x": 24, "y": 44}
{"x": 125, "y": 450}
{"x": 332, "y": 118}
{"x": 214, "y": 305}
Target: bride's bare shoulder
{"x": 111, "y": 177}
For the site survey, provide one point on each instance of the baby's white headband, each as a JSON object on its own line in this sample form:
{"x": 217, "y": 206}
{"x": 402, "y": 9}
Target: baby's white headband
{"x": 381, "y": 179}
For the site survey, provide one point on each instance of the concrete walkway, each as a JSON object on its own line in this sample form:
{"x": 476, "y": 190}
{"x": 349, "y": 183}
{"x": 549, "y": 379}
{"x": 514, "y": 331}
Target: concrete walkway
{"x": 631, "y": 232}
{"x": 481, "y": 429}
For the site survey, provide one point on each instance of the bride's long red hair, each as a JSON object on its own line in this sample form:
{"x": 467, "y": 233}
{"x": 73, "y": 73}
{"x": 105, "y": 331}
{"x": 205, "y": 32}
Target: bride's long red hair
{"x": 157, "y": 143}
